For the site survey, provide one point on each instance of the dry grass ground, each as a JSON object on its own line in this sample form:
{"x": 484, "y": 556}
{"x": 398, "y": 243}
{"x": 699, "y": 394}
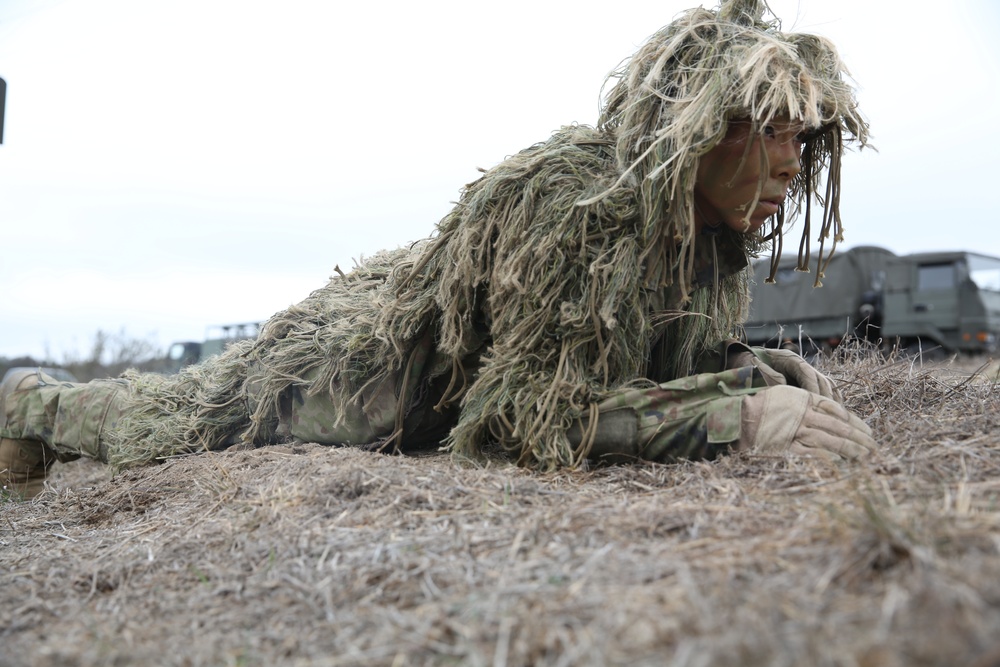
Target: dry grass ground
{"x": 306, "y": 555}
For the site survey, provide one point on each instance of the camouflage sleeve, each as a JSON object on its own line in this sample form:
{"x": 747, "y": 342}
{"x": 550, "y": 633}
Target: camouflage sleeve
{"x": 394, "y": 415}
{"x": 314, "y": 417}
{"x": 696, "y": 417}
{"x": 375, "y": 417}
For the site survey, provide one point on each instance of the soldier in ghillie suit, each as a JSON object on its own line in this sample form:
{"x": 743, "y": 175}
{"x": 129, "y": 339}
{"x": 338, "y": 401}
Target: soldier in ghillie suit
{"x": 579, "y": 303}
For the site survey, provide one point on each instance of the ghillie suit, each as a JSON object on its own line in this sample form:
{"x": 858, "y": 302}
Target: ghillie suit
{"x": 570, "y": 274}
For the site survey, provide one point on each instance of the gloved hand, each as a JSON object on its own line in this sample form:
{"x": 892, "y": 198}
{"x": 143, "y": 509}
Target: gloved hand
{"x": 799, "y": 372}
{"x": 781, "y": 367}
{"x": 790, "y": 420}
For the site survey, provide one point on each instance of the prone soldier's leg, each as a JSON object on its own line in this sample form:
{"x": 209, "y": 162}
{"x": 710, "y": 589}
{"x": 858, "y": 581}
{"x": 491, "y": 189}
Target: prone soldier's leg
{"x": 43, "y": 420}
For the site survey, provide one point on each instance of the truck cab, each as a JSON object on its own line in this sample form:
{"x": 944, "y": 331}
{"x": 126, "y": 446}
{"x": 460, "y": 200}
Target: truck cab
{"x": 951, "y": 299}
{"x": 937, "y": 302}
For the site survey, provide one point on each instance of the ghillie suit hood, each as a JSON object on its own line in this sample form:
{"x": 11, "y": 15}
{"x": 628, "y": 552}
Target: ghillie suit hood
{"x": 568, "y": 272}
{"x": 671, "y": 102}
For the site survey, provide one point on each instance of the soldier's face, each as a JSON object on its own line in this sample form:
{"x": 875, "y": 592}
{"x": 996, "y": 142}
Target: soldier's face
{"x": 731, "y": 174}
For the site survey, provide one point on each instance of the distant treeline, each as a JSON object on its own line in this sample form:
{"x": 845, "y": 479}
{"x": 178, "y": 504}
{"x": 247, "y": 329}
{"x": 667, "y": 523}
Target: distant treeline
{"x": 109, "y": 356}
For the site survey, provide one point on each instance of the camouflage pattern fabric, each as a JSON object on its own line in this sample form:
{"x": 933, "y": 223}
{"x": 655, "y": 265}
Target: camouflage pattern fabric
{"x": 68, "y": 417}
{"x": 696, "y": 417}
{"x": 400, "y": 413}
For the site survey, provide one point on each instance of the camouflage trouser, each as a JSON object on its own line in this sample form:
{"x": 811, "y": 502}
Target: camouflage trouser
{"x": 68, "y": 417}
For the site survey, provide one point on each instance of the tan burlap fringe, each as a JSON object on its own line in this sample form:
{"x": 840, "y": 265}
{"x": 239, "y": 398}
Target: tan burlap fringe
{"x": 558, "y": 252}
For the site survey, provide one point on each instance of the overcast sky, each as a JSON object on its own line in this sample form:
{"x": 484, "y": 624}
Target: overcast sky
{"x": 172, "y": 165}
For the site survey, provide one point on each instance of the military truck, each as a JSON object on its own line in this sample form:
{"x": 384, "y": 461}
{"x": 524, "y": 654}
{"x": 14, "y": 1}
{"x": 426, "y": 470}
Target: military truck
{"x": 945, "y": 301}
{"x": 185, "y": 353}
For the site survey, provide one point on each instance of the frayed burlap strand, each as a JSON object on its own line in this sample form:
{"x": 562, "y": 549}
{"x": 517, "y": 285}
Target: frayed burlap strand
{"x": 573, "y": 261}
{"x": 670, "y": 104}
{"x": 564, "y": 288}
{"x": 199, "y": 408}
{"x": 563, "y": 284}
{"x": 326, "y": 342}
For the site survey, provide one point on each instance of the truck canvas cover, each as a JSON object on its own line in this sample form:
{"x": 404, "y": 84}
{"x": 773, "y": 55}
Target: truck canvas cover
{"x": 777, "y": 309}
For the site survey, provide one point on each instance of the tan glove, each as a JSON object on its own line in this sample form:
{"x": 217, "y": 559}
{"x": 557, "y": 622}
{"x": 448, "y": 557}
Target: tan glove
{"x": 800, "y": 373}
{"x": 789, "y": 420}
{"x": 781, "y": 367}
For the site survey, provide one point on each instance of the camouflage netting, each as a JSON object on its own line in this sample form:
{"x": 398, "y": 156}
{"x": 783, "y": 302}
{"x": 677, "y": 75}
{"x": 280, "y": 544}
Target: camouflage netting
{"x": 574, "y": 260}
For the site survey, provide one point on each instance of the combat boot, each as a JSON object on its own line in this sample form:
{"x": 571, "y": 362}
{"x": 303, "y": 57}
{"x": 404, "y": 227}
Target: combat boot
{"x": 23, "y": 463}
{"x": 23, "y": 466}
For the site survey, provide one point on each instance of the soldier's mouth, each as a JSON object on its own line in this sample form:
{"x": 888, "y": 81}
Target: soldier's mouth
{"x": 770, "y": 206}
